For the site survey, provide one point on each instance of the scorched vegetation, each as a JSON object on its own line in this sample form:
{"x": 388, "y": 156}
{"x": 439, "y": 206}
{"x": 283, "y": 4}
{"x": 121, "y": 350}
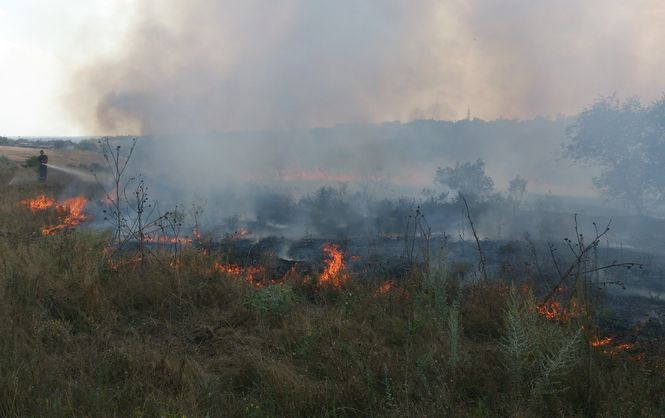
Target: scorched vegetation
{"x": 88, "y": 330}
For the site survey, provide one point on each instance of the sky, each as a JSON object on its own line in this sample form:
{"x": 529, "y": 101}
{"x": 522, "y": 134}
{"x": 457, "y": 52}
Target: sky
{"x": 84, "y": 67}
{"x": 42, "y": 42}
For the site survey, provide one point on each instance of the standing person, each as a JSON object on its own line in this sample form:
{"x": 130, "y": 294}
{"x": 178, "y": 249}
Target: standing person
{"x": 43, "y": 160}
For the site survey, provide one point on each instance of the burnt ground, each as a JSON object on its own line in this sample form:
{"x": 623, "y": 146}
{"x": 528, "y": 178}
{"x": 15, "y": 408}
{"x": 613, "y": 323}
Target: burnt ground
{"x": 627, "y": 296}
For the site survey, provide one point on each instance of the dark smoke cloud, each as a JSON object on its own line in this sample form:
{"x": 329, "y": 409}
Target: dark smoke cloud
{"x": 209, "y": 65}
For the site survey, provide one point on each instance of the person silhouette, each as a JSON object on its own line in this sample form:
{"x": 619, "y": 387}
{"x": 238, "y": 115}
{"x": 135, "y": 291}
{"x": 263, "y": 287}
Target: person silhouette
{"x": 43, "y": 161}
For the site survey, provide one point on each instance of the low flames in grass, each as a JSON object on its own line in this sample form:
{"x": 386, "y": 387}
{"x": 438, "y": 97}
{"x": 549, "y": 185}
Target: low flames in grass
{"x": 390, "y": 288}
{"x": 607, "y": 345}
{"x": 385, "y": 288}
{"x": 70, "y": 211}
{"x": 333, "y": 274}
{"x": 553, "y": 309}
{"x": 251, "y": 274}
{"x": 241, "y": 233}
{"x": 39, "y": 203}
{"x": 556, "y": 311}
{"x": 257, "y": 275}
{"x": 169, "y": 239}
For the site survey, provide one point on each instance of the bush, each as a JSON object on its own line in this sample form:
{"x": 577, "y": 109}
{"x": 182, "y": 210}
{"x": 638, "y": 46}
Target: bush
{"x": 271, "y": 301}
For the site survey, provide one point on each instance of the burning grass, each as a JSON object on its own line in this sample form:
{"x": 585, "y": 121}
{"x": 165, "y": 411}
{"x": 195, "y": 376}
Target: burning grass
{"x": 333, "y": 274}
{"x": 555, "y": 310}
{"x": 69, "y": 212}
{"x": 83, "y": 334}
{"x": 251, "y": 274}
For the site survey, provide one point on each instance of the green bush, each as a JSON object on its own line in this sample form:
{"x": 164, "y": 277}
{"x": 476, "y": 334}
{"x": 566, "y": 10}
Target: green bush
{"x": 272, "y": 301}
{"x": 31, "y": 162}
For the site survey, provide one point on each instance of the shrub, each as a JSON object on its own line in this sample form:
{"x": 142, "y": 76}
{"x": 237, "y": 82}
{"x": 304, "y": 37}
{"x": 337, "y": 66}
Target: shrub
{"x": 272, "y": 301}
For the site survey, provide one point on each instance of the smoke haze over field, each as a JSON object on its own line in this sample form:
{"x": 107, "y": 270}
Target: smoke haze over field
{"x": 210, "y": 66}
{"x": 268, "y": 94}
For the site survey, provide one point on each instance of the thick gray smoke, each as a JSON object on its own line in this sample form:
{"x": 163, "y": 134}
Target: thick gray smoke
{"x": 208, "y": 65}
{"x": 204, "y": 66}
{"x": 233, "y": 97}
{"x": 234, "y": 93}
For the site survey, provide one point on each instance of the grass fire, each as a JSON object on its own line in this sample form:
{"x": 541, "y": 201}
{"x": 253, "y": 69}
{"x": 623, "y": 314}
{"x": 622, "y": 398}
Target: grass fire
{"x": 164, "y": 307}
{"x": 332, "y": 209}
{"x": 70, "y": 212}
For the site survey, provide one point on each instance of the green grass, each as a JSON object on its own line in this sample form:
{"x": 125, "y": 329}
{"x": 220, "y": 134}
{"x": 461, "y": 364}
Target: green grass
{"x": 79, "y": 338}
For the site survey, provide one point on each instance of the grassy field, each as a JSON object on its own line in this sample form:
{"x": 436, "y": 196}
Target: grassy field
{"x": 70, "y": 158}
{"x": 85, "y": 333}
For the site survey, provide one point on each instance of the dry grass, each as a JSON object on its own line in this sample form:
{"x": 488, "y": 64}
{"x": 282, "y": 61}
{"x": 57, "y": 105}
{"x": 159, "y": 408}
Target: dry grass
{"x": 79, "y": 338}
{"x": 73, "y": 158}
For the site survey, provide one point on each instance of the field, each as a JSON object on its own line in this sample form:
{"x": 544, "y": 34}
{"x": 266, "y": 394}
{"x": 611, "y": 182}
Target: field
{"x": 89, "y": 331}
{"x": 65, "y": 157}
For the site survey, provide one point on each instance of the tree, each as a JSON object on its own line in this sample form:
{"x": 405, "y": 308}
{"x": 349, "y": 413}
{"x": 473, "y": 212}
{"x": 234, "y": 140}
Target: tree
{"x": 627, "y": 140}
{"x": 329, "y": 209}
{"x": 466, "y": 178}
{"x": 517, "y": 189}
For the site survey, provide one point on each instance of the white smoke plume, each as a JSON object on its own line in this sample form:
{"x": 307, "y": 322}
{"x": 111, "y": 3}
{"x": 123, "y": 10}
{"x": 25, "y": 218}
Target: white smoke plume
{"x": 218, "y": 65}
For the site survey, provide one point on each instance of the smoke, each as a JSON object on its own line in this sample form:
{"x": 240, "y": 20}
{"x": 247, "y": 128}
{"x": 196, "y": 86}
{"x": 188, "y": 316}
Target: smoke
{"x": 208, "y": 66}
{"x": 228, "y": 90}
{"x": 227, "y": 65}
{"x": 233, "y": 93}
{"x": 557, "y": 57}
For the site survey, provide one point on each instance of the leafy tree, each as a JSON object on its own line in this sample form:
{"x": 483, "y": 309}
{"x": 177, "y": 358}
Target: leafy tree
{"x": 517, "y": 186}
{"x": 466, "y": 178}
{"x": 329, "y": 209}
{"x": 517, "y": 189}
{"x": 627, "y": 140}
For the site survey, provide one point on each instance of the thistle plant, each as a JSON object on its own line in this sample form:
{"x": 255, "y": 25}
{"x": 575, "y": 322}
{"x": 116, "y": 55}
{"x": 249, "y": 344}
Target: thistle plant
{"x": 538, "y": 355}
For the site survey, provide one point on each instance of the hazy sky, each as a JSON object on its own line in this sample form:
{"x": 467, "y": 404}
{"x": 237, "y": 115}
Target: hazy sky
{"x": 131, "y": 66}
{"x": 42, "y": 42}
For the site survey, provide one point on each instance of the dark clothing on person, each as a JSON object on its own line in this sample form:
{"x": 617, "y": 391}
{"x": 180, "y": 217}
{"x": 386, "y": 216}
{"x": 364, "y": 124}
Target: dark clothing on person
{"x": 43, "y": 160}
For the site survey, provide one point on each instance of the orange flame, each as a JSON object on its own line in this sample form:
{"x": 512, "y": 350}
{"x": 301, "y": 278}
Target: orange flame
{"x": 241, "y": 233}
{"x": 615, "y": 350}
{"x": 556, "y": 312}
{"x": 601, "y": 342}
{"x": 69, "y": 210}
{"x": 608, "y": 346}
{"x": 333, "y": 273}
{"x": 73, "y": 215}
{"x": 39, "y": 203}
{"x": 385, "y": 288}
{"x": 122, "y": 263}
{"x": 166, "y": 239}
{"x": 390, "y": 288}
{"x": 250, "y": 273}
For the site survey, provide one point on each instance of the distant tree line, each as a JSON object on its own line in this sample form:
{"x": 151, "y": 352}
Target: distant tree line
{"x": 83, "y": 145}
{"x": 627, "y": 140}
